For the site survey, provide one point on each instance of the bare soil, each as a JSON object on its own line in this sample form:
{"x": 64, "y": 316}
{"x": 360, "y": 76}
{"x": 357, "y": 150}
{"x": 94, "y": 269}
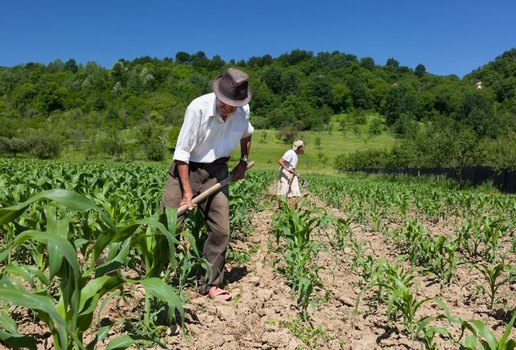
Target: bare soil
{"x": 263, "y": 313}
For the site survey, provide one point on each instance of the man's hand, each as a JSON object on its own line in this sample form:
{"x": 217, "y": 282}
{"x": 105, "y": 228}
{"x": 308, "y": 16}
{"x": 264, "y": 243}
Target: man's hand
{"x": 187, "y": 199}
{"x": 239, "y": 172}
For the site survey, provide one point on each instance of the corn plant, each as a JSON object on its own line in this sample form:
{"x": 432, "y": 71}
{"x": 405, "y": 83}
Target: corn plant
{"x": 342, "y": 234}
{"x": 444, "y": 262}
{"x": 394, "y": 286}
{"x": 80, "y": 286}
{"x": 482, "y": 338}
{"x": 414, "y": 240}
{"x": 296, "y": 227}
{"x": 492, "y": 231}
{"x": 494, "y": 276}
{"x": 361, "y": 261}
{"x": 190, "y": 258}
{"x": 426, "y": 332}
{"x": 468, "y": 238}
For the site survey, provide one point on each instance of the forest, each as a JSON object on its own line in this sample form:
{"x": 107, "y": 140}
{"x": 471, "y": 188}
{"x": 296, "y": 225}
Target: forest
{"x": 136, "y": 107}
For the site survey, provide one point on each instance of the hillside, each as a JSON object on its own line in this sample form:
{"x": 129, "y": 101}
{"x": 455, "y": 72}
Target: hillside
{"x": 133, "y": 110}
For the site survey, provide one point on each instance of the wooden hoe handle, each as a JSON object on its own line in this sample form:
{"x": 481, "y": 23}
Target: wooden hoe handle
{"x": 182, "y": 209}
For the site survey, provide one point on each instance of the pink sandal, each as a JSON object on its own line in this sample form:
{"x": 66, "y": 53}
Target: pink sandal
{"x": 219, "y": 293}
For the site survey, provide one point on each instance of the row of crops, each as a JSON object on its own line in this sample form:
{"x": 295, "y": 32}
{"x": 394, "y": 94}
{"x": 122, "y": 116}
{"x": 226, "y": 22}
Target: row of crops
{"x": 76, "y": 238}
{"x": 433, "y": 232}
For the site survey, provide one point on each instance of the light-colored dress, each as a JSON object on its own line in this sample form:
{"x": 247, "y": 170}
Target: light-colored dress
{"x": 288, "y": 184}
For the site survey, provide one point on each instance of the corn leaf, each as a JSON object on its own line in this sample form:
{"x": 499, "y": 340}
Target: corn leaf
{"x": 70, "y": 199}
{"x": 162, "y": 291}
{"x": 18, "y": 341}
{"x": 16, "y": 294}
{"x": 120, "y": 343}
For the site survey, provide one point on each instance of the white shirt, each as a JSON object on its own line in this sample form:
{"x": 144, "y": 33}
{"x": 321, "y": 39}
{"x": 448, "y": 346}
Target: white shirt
{"x": 291, "y": 159}
{"x": 205, "y": 137}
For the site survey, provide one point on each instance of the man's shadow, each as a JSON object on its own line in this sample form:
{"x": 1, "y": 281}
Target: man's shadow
{"x": 235, "y": 274}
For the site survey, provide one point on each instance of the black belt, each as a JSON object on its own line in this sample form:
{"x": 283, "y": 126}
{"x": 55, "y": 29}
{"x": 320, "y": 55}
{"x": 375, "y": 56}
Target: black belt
{"x": 219, "y": 161}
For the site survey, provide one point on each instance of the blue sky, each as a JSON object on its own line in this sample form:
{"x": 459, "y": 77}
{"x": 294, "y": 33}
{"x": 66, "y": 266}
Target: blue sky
{"x": 447, "y": 36}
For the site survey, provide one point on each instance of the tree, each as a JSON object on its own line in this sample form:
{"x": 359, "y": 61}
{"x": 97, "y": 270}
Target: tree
{"x": 446, "y": 98}
{"x": 217, "y": 63}
{"x": 52, "y": 97}
{"x": 501, "y": 152}
{"x": 55, "y": 66}
{"x": 295, "y": 57}
{"x": 119, "y": 72}
{"x": 392, "y": 64}
{"x": 44, "y": 145}
{"x": 155, "y": 150}
{"x": 5, "y": 144}
{"x": 112, "y": 144}
{"x": 183, "y": 57}
{"x": 200, "y": 60}
{"x": 397, "y": 102}
{"x": 341, "y": 98}
{"x": 71, "y": 66}
{"x": 360, "y": 95}
{"x": 375, "y": 127}
{"x": 464, "y": 151}
{"x": 420, "y": 70}
{"x": 18, "y": 146}
{"x": 23, "y": 94}
{"x": 320, "y": 92}
{"x": 367, "y": 63}
{"x": 282, "y": 83}
{"x": 264, "y": 100}
{"x": 405, "y": 126}
{"x": 259, "y": 61}
{"x": 476, "y": 112}
{"x": 287, "y": 134}
{"x": 7, "y": 128}
{"x": 173, "y": 135}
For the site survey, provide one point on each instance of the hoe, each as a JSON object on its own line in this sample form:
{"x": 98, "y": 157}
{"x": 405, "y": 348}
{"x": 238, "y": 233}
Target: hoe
{"x": 182, "y": 209}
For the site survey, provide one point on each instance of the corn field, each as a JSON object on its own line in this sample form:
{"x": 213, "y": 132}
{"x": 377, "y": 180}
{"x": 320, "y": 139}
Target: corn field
{"x": 88, "y": 260}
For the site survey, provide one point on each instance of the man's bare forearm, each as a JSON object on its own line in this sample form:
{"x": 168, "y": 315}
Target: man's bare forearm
{"x": 183, "y": 170}
{"x": 245, "y": 147}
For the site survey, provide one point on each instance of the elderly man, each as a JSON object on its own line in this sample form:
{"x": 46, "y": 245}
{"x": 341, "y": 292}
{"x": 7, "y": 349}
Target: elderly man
{"x": 214, "y": 125}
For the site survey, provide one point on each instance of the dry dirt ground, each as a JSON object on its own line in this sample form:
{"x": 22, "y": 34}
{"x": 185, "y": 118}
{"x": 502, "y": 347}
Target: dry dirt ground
{"x": 263, "y": 313}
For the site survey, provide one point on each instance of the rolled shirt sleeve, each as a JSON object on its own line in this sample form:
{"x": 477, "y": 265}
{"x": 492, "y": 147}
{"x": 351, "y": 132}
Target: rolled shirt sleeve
{"x": 188, "y": 136}
{"x": 250, "y": 128}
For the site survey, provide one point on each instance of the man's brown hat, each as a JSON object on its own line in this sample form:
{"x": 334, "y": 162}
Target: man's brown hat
{"x": 232, "y": 88}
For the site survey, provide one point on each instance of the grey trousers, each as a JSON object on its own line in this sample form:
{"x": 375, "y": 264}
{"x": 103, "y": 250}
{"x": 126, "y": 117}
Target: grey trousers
{"x": 215, "y": 210}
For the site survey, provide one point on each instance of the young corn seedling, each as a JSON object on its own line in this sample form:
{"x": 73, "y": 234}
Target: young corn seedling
{"x": 426, "y": 332}
{"x": 361, "y": 261}
{"x": 468, "y": 238}
{"x": 481, "y": 337}
{"x": 491, "y": 232}
{"x": 395, "y": 285}
{"x": 343, "y": 233}
{"x": 444, "y": 262}
{"x": 296, "y": 227}
{"x": 494, "y": 276}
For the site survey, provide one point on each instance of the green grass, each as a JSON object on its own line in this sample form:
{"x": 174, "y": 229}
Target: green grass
{"x": 267, "y": 148}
